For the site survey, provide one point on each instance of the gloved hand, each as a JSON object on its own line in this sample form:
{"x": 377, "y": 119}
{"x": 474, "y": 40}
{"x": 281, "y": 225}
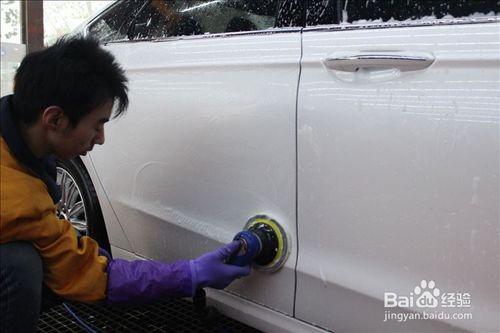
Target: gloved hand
{"x": 144, "y": 281}
{"x": 210, "y": 270}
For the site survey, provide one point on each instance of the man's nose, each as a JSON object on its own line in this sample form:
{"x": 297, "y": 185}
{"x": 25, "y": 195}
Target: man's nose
{"x": 99, "y": 139}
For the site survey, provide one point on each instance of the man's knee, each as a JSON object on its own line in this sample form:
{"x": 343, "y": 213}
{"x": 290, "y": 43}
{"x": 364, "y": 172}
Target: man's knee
{"x": 21, "y": 278}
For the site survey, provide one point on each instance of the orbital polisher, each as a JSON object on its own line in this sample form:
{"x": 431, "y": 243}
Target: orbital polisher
{"x": 263, "y": 243}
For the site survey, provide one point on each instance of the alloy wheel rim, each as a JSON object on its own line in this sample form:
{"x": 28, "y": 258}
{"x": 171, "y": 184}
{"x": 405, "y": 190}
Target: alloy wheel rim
{"x": 71, "y": 206}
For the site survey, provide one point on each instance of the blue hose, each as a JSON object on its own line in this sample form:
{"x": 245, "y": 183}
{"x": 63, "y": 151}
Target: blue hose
{"x": 78, "y": 319}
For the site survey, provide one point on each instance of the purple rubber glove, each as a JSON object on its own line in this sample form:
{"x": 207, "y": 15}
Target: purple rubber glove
{"x": 210, "y": 270}
{"x": 145, "y": 281}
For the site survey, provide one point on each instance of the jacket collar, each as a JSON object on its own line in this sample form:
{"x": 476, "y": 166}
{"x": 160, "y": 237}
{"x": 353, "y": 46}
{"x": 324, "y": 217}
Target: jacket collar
{"x": 44, "y": 168}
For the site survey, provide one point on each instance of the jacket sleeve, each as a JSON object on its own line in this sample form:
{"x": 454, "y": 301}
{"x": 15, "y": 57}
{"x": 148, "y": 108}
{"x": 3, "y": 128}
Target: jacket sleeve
{"x": 72, "y": 267}
{"x": 75, "y": 268}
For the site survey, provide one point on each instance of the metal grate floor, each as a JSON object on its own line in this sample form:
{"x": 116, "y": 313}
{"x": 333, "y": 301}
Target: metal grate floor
{"x": 174, "y": 315}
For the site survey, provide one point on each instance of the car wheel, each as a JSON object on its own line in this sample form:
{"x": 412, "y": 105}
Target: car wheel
{"x": 79, "y": 204}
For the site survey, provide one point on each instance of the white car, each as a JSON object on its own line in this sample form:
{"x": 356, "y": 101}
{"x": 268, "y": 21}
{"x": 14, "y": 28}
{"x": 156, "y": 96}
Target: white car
{"x": 367, "y": 130}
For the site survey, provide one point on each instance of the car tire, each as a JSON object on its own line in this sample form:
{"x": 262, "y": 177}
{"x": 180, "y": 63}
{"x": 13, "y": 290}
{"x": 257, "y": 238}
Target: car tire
{"x": 79, "y": 203}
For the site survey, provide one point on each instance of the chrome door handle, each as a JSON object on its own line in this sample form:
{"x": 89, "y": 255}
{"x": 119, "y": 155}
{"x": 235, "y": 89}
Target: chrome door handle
{"x": 405, "y": 61}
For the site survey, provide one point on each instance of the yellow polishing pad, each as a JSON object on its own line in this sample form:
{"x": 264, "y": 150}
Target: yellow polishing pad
{"x": 282, "y": 238}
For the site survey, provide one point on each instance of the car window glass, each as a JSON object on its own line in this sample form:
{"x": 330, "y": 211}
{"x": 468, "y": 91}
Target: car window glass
{"x": 322, "y": 12}
{"x": 290, "y": 13}
{"x": 359, "y": 11}
{"x": 113, "y": 23}
{"x": 168, "y": 18}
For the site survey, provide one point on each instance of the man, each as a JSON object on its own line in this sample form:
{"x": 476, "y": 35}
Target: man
{"x": 63, "y": 96}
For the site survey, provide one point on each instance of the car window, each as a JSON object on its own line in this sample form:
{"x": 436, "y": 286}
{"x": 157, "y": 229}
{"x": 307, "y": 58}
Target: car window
{"x": 322, "y": 12}
{"x": 290, "y": 13}
{"x": 168, "y": 18}
{"x": 113, "y": 24}
{"x": 361, "y": 11}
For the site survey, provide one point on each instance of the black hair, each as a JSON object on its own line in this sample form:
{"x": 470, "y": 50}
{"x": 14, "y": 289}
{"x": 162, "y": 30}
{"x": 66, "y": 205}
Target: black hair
{"x": 75, "y": 74}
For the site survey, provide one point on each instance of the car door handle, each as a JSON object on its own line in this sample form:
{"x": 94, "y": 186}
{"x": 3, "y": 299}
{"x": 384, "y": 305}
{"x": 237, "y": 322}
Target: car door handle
{"x": 405, "y": 61}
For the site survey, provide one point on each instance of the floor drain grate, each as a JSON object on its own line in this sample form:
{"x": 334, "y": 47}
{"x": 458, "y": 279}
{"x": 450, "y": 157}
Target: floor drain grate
{"x": 167, "y": 316}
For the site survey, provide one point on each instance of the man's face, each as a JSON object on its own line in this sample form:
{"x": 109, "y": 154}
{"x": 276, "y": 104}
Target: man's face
{"x": 79, "y": 140}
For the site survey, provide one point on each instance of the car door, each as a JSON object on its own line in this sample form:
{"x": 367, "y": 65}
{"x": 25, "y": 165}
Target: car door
{"x": 398, "y": 155}
{"x": 209, "y": 138}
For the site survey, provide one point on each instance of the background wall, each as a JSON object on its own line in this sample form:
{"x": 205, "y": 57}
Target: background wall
{"x": 59, "y": 18}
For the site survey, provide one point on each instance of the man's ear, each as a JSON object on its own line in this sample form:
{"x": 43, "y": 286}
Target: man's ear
{"x": 54, "y": 118}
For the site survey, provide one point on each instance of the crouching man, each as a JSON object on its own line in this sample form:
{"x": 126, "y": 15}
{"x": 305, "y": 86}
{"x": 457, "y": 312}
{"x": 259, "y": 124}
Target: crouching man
{"x": 63, "y": 96}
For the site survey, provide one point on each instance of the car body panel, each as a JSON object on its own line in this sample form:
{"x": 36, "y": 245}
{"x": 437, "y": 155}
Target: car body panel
{"x": 208, "y": 142}
{"x": 397, "y": 169}
{"x": 114, "y": 229}
{"x": 398, "y": 176}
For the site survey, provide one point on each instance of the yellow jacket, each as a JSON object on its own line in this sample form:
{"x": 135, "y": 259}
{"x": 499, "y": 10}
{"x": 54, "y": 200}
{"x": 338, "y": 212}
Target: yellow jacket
{"x": 72, "y": 268}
